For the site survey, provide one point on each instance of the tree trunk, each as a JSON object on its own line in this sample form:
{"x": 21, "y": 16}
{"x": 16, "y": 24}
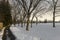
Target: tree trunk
{"x": 27, "y": 26}
{"x": 31, "y": 23}
{"x": 54, "y": 16}
{"x": 53, "y": 21}
{"x": 21, "y": 24}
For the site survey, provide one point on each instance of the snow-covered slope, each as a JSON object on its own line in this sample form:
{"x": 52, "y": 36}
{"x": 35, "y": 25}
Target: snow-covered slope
{"x": 40, "y": 32}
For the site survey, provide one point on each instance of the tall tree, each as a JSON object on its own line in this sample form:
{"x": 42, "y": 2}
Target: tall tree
{"x": 29, "y": 7}
{"x": 54, "y": 11}
{"x": 54, "y": 7}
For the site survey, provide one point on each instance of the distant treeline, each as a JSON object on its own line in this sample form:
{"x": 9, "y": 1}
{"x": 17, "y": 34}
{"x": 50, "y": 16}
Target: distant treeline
{"x": 39, "y": 22}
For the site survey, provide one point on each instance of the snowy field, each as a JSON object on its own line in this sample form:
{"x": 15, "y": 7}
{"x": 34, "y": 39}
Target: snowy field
{"x": 43, "y": 31}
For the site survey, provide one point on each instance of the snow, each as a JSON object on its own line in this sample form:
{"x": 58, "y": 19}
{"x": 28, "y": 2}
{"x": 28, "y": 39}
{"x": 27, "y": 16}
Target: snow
{"x": 43, "y": 31}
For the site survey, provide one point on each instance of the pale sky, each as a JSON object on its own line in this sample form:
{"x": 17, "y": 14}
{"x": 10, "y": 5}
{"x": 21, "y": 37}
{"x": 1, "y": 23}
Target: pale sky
{"x": 48, "y": 17}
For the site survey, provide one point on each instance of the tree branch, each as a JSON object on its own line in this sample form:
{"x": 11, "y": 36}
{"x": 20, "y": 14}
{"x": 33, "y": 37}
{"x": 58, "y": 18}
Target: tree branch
{"x": 35, "y": 6}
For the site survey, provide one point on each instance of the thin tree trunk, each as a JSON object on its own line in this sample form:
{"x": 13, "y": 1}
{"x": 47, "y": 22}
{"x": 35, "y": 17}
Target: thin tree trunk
{"x": 53, "y": 21}
{"x": 21, "y": 24}
{"x": 31, "y": 23}
{"x": 27, "y": 26}
{"x": 54, "y": 17}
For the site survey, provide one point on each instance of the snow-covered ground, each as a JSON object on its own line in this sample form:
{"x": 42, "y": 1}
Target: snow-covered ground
{"x": 43, "y": 31}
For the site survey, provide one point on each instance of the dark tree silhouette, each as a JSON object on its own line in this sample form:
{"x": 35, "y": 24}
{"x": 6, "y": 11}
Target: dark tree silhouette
{"x": 6, "y": 18}
{"x": 54, "y": 8}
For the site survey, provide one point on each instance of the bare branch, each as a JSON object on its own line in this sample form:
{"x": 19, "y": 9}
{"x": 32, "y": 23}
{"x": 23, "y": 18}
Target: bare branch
{"x": 31, "y": 1}
{"x": 35, "y": 6}
{"x": 25, "y": 4}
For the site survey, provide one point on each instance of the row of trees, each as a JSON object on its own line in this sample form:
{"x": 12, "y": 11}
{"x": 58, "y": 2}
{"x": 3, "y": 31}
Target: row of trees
{"x": 26, "y": 8}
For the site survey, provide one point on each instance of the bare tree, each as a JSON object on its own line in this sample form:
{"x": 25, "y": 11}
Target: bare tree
{"x": 30, "y": 7}
{"x": 54, "y": 8}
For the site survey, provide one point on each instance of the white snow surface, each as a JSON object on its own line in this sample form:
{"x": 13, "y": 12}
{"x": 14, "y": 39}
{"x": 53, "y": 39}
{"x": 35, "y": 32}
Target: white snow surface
{"x": 43, "y": 31}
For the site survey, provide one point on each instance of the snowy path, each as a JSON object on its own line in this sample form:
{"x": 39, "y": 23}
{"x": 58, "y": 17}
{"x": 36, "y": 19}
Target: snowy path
{"x": 22, "y": 36}
{"x": 40, "y": 32}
